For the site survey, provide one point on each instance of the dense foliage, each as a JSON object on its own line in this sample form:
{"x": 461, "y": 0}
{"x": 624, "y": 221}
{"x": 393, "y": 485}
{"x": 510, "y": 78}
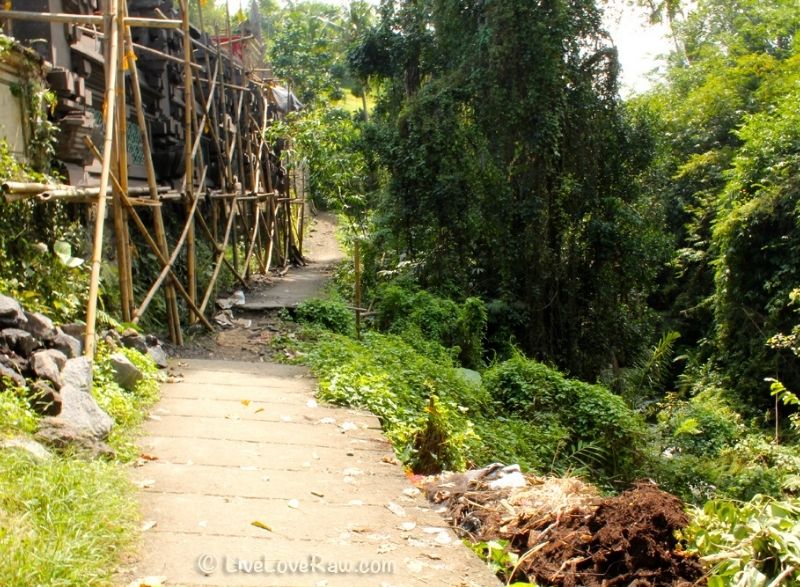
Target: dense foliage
{"x": 511, "y": 163}
{"x": 726, "y": 171}
{"x": 441, "y": 416}
{"x": 650, "y": 245}
{"x": 308, "y": 43}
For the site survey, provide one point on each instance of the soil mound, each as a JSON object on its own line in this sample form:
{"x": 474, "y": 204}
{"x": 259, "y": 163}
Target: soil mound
{"x": 628, "y": 540}
{"x": 566, "y": 535}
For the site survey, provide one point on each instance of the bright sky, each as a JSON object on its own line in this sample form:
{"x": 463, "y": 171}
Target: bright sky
{"x": 640, "y": 44}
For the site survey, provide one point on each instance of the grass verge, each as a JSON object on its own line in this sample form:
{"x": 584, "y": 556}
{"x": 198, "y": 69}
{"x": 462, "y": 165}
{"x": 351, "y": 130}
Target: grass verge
{"x": 65, "y": 520}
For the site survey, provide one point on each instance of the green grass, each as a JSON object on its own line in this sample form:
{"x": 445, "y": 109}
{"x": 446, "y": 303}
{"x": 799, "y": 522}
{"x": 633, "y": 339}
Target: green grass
{"x": 127, "y": 408}
{"x": 353, "y": 103}
{"x": 63, "y": 521}
{"x": 66, "y": 521}
{"x": 16, "y": 415}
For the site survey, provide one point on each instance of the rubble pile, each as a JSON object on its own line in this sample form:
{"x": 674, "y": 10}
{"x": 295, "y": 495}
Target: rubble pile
{"x": 47, "y": 360}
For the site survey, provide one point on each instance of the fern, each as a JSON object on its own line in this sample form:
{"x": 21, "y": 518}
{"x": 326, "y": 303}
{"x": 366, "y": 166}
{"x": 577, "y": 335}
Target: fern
{"x": 107, "y": 320}
{"x": 650, "y": 371}
{"x": 584, "y": 458}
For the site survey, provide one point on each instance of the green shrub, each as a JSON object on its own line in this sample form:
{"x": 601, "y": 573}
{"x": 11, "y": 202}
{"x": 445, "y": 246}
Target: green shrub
{"x": 533, "y": 443}
{"x": 755, "y": 465}
{"x": 386, "y": 375}
{"x": 702, "y": 426}
{"x": 461, "y": 327}
{"x": 749, "y": 544}
{"x": 433, "y": 349}
{"x": 752, "y": 466}
{"x": 590, "y": 413}
{"x": 472, "y": 322}
{"x": 331, "y": 314}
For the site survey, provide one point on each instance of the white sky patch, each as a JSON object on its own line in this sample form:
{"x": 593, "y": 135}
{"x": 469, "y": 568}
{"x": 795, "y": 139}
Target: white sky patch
{"x": 236, "y": 5}
{"x": 642, "y": 46}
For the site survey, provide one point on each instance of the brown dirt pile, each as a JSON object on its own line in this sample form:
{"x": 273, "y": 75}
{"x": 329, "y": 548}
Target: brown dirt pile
{"x": 566, "y": 535}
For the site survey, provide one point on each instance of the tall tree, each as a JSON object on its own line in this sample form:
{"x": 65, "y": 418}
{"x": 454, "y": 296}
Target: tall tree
{"x": 513, "y": 170}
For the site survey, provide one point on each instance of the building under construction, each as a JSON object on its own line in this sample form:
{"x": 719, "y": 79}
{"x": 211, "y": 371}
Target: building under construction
{"x": 160, "y": 119}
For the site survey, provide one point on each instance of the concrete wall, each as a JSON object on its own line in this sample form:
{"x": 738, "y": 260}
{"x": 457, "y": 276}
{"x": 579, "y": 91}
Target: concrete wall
{"x": 12, "y": 127}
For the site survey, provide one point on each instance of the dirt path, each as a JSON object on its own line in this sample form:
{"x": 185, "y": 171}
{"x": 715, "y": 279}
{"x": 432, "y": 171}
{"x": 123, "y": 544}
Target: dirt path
{"x": 248, "y": 339}
{"x": 249, "y": 482}
{"x": 300, "y": 283}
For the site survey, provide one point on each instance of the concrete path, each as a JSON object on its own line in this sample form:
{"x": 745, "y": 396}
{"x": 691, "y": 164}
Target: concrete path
{"x": 253, "y": 483}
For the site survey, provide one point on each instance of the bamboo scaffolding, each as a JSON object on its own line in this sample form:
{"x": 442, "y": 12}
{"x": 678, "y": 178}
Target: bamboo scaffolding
{"x": 167, "y": 265}
{"x": 167, "y": 268}
{"x": 112, "y": 16}
{"x": 121, "y": 238}
{"x": 219, "y": 249}
{"x": 141, "y": 48}
{"x": 173, "y": 313}
{"x": 220, "y": 257}
{"x": 256, "y": 216}
{"x": 199, "y": 44}
{"x": 214, "y": 128}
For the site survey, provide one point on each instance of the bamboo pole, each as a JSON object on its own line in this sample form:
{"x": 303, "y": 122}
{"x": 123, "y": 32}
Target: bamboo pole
{"x": 173, "y": 313}
{"x": 112, "y": 16}
{"x": 120, "y": 223}
{"x": 188, "y": 98}
{"x": 261, "y": 251}
{"x": 239, "y": 152}
{"x": 272, "y": 231}
{"x": 23, "y": 187}
{"x": 228, "y": 179}
{"x": 357, "y": 300}
{"x": 302, "y": 209}
{"x": 249, "y": 206}
{"x": 86, "y": 19}
{"x": 253, "y": 239}
{"x": 80, "y": 196}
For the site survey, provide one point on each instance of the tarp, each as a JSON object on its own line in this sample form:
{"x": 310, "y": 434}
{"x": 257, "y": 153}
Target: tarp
{"x": 284, "y": 100}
